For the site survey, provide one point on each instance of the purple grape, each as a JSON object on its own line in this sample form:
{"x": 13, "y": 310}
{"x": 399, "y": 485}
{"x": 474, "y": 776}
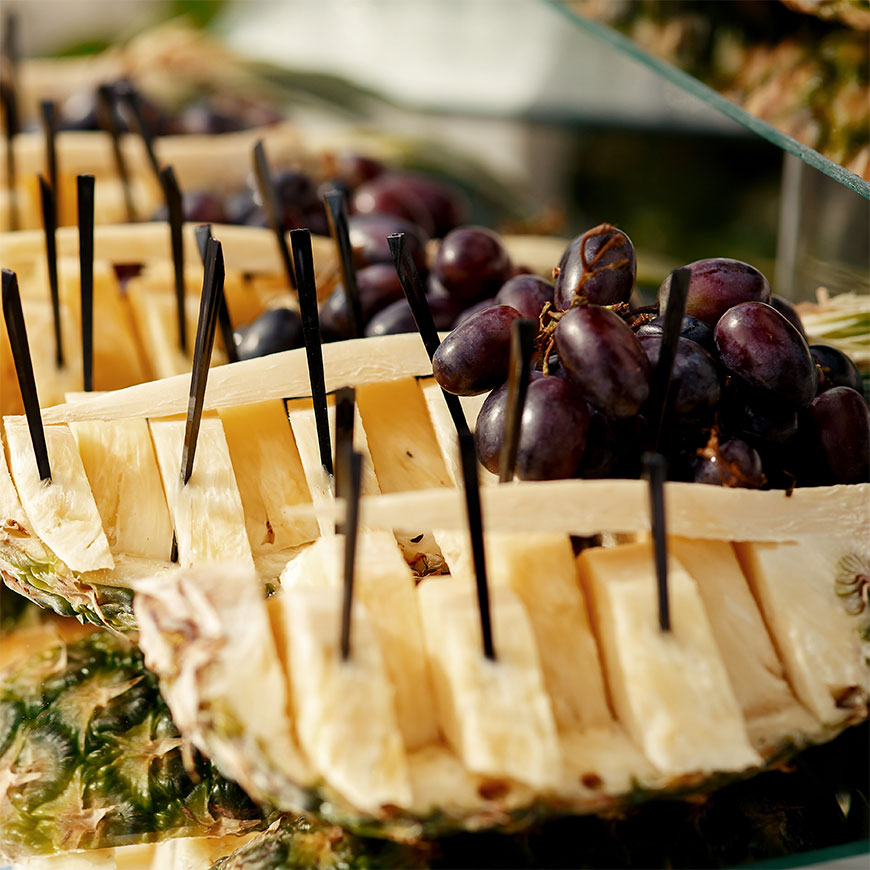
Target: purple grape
{"x": 732, "y": 463}
{"x": 274, "y": 330}
{"x": 717, "y": 284}
{"x": 755, "y": 417}
{"x": 552, "y": 429}
{"x": 203, "y": 118}
{"x": 691, "y": 328}
{"x": 474, "y": 357}
{"x": 197, "y": 207}
{"x": 397, "y": 317}
{"x": 471, "y": 263}
{"x": 695, "y": 389}
{"x": 598, "y": 264}
{"x": 378, "y": 286}
{"x": 368, "y": 238}
{"x": 613, "y": 447}
{"x": 838, "y": 424}
{"x": 526, "y": 293}
{"x": 387, "y": 194}
{"x": 837, "y": 370}
{"x": 758, "y": 345}
{"x": 602, "y": 355}
{"x": 446, "y": 205}
{"x": 355, "y": 169}
{"x": 789, "y": 312}
{"x": 468, "y": 312}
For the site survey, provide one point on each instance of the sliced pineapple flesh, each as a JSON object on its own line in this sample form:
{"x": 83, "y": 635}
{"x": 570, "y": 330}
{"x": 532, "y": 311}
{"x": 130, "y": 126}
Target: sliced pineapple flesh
{"x": 803, "y": 590}
{"x": 669, "y": 689}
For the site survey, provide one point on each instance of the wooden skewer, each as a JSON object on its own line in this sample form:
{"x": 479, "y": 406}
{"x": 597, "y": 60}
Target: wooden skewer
{"x": 522, "y": 346}
{"x": 17, "y": 331}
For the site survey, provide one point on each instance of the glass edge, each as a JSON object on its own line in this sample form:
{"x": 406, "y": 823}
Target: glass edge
{"x": 717, "y": 101}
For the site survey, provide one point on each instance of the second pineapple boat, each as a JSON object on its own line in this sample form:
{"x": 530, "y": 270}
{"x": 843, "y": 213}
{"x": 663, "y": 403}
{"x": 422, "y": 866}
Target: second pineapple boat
{"x": 587, "y": 706}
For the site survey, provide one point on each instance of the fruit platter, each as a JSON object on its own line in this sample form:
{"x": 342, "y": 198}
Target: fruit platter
{"x": 362, "y": 535}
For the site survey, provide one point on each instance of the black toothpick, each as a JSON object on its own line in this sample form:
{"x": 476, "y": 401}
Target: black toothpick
{"x": 468, "y": 455}
{"x": 133, "y": 100}
{"x": 49, "y": 225}
{"x": 350, "y": 463}
{"x": 660, "y": 382}
{"x": 655, "y": 471}
{"x": 17, "y": 332}
{"x": 272, "y": 207}
{"x": 175, "y": 211}
{"x": 48, "y": 111}
{"x": 522, "y": 347}
{"x": 9, "y": 100}
{"x": 85, "y": 185}
{"x": 336, "y": 212}
{"x": 225, "y": 324}
{"x": 415, "y": 293}
{"x": 345, "y": 399}
{"x": 213, "y": 278}
{"x": 108, "y": 119}
{"x": 304, "y": 260}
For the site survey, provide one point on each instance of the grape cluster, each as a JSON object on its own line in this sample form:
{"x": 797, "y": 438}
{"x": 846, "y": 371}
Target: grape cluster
{"x": 750, "y": 403}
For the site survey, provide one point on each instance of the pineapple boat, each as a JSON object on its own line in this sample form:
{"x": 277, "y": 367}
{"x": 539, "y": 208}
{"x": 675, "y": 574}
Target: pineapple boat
{"x": 587, "y": 706}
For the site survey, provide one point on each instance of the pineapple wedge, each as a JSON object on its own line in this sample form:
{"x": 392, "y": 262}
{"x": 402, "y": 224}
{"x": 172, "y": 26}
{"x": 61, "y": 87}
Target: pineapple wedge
{"x": 670, "y": 689}
{"x": 384, "y": 585}
{"x": 207, "y": 512}
{"x": 495, "y": 715}
{"x": 811, "y": 596}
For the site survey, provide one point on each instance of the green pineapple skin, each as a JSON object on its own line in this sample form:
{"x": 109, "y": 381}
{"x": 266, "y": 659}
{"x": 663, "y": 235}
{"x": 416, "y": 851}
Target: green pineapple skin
{"x": 90, "y": 757}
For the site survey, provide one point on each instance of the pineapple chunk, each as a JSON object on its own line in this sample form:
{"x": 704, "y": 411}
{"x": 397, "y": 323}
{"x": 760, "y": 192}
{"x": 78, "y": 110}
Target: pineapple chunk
{"x": 818, "y": 639}
{"x": 63, "y": 512}
{"x": 207, "y": 512}
{"x": 192, "y": 853}
{"x": 301, "y": 415}
{"x": 384, "y": 585}
{"x": 669, "y": 689}
{"x": 495, "y": 715}
{"x": 119, "y": 460}
{"x": 345, "y": 710}
{"x": 445, "y": 430}
{"x": 756, "y": 673}
{"x": 269, "y": 475}
{"x": 206, "y": 632}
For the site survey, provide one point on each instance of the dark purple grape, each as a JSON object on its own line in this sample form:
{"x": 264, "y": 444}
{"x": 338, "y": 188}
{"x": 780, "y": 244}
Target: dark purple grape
{"x": 758, "y": 345}
{"x": 474, "y": 357}
{"x": 598, "y": 264}
{"x": 468, "y": 312}
{"x": 789, "y": 312}
{"x": 757, "y": 418}
{"x": 471, "y": 263}
{"x": 837, "y": 370}
{"x": 387, "y": 194}
{"x": 526, "y": 293}
{"x": 731, "y": 463}
{"x": 695, "y": 391}
{"x": 378, "y": 286}
{"x": 368, "y": 238}
{"x": 297, "y": 195}
{"x": 202, "y": 117}
{"x": 552, "y": 430}
{"x": 691, "y": 328}
{"x": 717, "y": 284}
{"x": 448, "y": 207}
{"x": 838, "y": 424}
{"x": 240, "y": 207}
{"x": 613, "y": 447}
{"x": 602, "y": 355}
{"x": 274, "y": 330}
{"x": 197, "y": 207}
{"x": 397, "y": 317}
{"x": 355, "y": 168}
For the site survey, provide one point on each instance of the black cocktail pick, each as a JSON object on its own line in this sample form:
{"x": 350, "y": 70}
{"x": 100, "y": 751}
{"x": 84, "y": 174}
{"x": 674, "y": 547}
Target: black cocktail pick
{"x": 49, "y": 123}
{"x": 655, "y": 472}
{"x": 522, "y": 347}
{"x": 213, "y": 278}
{"x": 175, "y": 212}
{"x": 203, "y": 234}
{"x": 85, "y": 188}
{"x": 345, "y": 400}
{"x": 416, "y": 296}
{"x": 468, "y": 454}
{"x": 336, "y": 212}
{"x": 15, "y": 328}
{"x": 49, "y": 226}
{"x": 272, "y": 207}
{"x": 132, "y": 99}
{"x": 350, "y": 463}
{"x": 307, "y": 290}
{"x": 108, "y": 120}
{"x": 9, "y": 100}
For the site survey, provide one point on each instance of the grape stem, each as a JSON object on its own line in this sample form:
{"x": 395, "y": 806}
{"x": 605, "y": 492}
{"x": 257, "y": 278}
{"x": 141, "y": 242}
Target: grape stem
{"x": 729, "y": 472}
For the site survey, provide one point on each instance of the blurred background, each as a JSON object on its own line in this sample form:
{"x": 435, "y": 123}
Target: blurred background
{"x": 559, "y": 128}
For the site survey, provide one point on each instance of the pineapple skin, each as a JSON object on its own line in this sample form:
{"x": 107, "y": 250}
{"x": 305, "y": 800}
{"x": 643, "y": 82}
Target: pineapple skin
{"x": 90, "y": 757}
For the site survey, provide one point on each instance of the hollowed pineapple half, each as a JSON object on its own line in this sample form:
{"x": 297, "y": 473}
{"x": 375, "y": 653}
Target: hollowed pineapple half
{"x": 587, "y": 705}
